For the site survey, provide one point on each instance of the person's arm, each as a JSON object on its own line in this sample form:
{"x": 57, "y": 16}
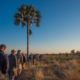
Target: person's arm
{"x": 21, "y": 59}
{"x": 25, "y": 58}
{"x": 5, "y": 64}
{"x": 15, "y": 62}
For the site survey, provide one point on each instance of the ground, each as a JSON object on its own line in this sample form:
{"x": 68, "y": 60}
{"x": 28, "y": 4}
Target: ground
{"x": 53, "y": 67}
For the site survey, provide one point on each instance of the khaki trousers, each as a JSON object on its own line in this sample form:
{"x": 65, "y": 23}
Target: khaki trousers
{"x": 12, "y": 74}
{"x": 2, "y": 76}
{"x": 19, "y": 68}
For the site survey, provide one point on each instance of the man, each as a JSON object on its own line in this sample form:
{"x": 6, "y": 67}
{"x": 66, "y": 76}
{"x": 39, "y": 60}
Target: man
{"x": 12, "y": 66}
{"x": 4, "y": 62}
{"x": 30, "y": 58}
{"x": 24, "y": 61}
{"x": 40, "y": 58}
{"x": 36, "y": 57}
{"x": 33, "y": 58}
{"x": 19, "y": 62}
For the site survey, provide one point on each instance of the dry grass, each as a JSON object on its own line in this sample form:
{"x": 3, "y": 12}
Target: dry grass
{"x": 53, "y": 68}
{"x": 39, "y": 74}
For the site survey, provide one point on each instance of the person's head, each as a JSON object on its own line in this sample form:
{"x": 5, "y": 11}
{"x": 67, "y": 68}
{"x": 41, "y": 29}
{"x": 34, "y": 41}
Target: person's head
{"x": 13, "y": 52}
{"x": 19, "y": 51}
{"x": 2, "y": 47}
{"x": 23, "y": 54}
{"x": 31, "y": 54}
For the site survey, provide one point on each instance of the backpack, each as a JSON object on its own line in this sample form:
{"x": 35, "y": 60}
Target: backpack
{"x": 30, "y": 56}
{"x": 24, "y": 58}
{"x": 18, "y": 58}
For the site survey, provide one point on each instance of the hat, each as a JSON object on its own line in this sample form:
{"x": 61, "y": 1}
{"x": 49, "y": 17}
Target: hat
{"x": 19, "y": 50}
{"x": 13, "y": 51}
{"x": 22, "y": 53}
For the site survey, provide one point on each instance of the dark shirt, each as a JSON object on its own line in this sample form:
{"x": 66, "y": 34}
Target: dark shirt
{"x": 34, "y": 57}
{"x": 4, "y": 62}
{"x": 40, "y": 56}
{"x": 24, "y": 58}
{"x": 12, "y": 61}
{"x": 30, "y": 56}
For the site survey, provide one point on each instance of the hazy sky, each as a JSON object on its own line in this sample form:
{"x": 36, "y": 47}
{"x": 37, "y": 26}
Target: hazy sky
{"x": 59, "y": 29}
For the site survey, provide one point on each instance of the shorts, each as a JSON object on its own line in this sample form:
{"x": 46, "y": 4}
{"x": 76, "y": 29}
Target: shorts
{"x": 23, "y": 66}
{"x": 19, "y": 66}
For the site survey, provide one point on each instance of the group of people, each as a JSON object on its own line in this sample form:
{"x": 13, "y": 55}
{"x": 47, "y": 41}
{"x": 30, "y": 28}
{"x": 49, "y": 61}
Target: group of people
{"x": 14, "y": 64}
{"x": 33, "y": 57}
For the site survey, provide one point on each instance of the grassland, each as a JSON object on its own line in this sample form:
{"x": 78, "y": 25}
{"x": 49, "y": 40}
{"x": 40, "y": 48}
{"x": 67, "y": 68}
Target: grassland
{"x": 53, "y": 67}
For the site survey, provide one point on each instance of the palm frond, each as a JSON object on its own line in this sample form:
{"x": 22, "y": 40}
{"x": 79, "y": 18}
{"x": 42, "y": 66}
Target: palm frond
{"x": 38, "y": 16}
{"x": 37, "y": 12}
{"x": 37, "y": 24}
{"x": 34, "y": 20}
{"x": 31, "y": 23}
{"x": 24, "y": 6}
{"x": 33, "y": 15}
{"x": 27, "y": 10}
{"x": 38, "y": 19}
{"x": 30, "y": 32}
{"x": 17, "y": 21}
{"x": 22, "y": 19}
{"x": 31, "y": 7}
{"x": 33, "y": 11}
{"x": 23, "y": 24}
{"x": 17, "y": 15}
{"x": 21, "y": 10}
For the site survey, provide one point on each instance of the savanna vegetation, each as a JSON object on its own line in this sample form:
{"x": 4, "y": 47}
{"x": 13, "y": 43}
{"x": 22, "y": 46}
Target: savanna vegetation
{"x": 53, "y": 67}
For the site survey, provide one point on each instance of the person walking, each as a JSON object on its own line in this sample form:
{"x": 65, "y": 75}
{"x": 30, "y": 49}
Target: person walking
{"x": 33, "y": 58}
{"x": 40, "y": 58}
{"x": 36, "y": 57}
{"x": 30, "y": 58}
{"x": 12, "y": 66}
{"x": 24, "y": 61}
{"x": 19, "y": 62}
{"x": 4, "y": 62}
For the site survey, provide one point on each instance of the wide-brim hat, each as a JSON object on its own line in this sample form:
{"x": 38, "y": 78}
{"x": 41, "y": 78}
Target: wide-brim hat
{"x": 13, "y": 51}
{"x": 19, "y": 50}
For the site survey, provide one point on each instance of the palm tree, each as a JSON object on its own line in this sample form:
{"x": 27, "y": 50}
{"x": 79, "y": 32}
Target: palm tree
{"x": 27, "y": 15}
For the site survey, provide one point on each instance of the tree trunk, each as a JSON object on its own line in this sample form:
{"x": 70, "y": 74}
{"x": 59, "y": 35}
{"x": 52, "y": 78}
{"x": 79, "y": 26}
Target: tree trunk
{"x": 27, "y": 41}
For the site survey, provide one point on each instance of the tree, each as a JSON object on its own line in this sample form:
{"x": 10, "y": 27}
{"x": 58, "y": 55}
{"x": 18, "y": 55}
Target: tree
{"x": 72, "y": 51}
{"x": 27, "y": 15}
{"x": 77, "y": 52}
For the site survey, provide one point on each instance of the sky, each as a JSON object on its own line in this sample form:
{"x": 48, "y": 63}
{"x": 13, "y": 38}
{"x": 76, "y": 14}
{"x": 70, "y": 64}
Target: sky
{"x": 59, "y": 30}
